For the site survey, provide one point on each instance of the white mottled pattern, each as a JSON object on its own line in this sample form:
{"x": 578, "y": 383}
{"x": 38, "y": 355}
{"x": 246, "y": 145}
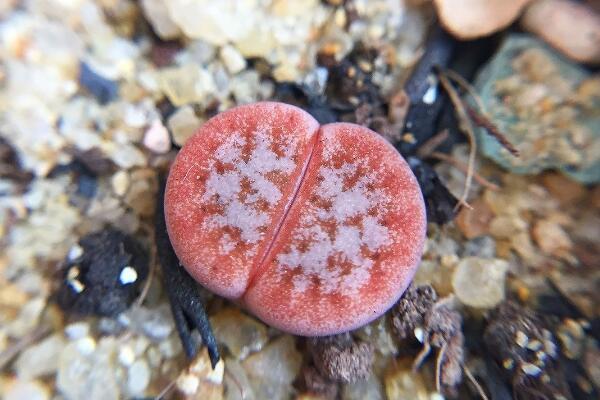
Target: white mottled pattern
{"x": 338, "y": 260}
{"x": 241, "y": 209}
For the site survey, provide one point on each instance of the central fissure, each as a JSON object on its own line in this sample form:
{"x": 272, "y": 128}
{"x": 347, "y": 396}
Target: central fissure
{"x": 261, "y": 266}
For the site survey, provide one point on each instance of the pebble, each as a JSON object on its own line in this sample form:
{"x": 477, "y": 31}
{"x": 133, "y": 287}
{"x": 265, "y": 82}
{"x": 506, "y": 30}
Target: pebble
{"x": 200, "y": 380}
{"x": 156, "y": 323}
{"x": 120, "y": 183}
{"x": 171, "y": 347}
{"x": 77, "y": 330}
{"x": 86, "y": 345}
{"x": 26, "y": 389}
{"x": 237, "y": 385}
{"x": 127, "y": 156}
{"x": 272, "y": 370}
{"x": 40, "y": 359}
{"x": 75, "y": 252}
{"x": 154, "y": 357}
{"x": 105, "y": 90}
{"x": 571, "y": 27}
{"x": 471, "y": 19}
{"x": 565, "y": 190}
{"x": 182, "y": 124}
{"x": 401, "y": 383}
{"x": 551, "y": 238}
{"x": 379, "y": 334}
{"x": 27, "y": 319}
{"x": 474, "y": 222}
{"x": 126, "y": 355}
{"x": 157, "y": 138}
{"x": 233, "y": 60}
{"x": 138, "y": 377}
{"x": 188, "y": 83}
{"x": 368, "y": 389}
{"x": 240, "y": 333}
{"x": 531, "y": 369}
{"x": 434, "y": 274}
{"x": 140, "y": 195}
{"x": 89, "y": 376}
{"x": 507, "y": 226}
{"x": 479, "y": 282}
{"x": 482, "y": 246}
{"x": 158, "y": 15}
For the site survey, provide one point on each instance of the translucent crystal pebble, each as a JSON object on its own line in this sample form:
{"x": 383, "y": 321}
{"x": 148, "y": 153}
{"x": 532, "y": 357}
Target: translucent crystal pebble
{"x": 479, "y": 282}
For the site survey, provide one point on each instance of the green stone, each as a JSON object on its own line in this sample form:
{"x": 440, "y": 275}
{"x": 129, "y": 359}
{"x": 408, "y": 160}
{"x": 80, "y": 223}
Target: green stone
{"x": 548, "y": 108}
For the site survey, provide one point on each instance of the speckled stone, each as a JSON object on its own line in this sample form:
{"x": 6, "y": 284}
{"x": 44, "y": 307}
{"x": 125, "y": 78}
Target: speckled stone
{"x": 542, "y": 103}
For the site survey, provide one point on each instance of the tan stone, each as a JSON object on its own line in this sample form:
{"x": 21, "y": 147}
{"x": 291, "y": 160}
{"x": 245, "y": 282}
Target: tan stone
{"x": 570, "y": 27}
{"x": 475, "y": 222}
{"x": 551, "y": 238}
{"x": 470, "y": 19}
{"x": 565, "y": 190}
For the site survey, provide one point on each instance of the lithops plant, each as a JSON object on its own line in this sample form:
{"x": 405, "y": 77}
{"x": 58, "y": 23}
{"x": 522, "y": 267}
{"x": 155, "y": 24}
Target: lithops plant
{"x": 314, "y": 229}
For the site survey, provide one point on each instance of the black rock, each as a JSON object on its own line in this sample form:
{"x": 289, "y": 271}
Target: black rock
{"x": 103, "y": 89}
{"x": 107, "y": 277}
{"x": 422, "y": 117}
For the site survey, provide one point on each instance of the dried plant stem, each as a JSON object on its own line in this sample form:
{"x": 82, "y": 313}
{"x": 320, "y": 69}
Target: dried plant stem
{"x": 166, "y": 390}
{"x": 467, "y": 127}
{"x": 438, "y": 367}
{"x": 149, "y": 280}
{"x": 475, "y": 383}
{"x": 481, "y": 117}
{"x": 483, "y": 121}
{"x": 463, "y": 167}
{"x": 432, "y": 143}
{"x": 467, "y": 87}
{"x": 422, "y": 355}
{"x": 237, "y": 383}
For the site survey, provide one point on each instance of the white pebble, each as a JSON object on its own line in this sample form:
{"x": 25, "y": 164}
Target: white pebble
{"x": 128, "y": 275}
{"x": 30, "y": 390}
{"x": 77, "y": 330}
{"x": 419, "y": 334}
{"x": 86, "y": 345}
{"x": 233, "y": 60}
{"x": 75, "y": 252}
{"x": 120, "y": 183}
{"x": 126, "y": 355}
{"x": 521, "y": 339}
{"x": 188, "y": 384}
{"x": 531, "y": 369}
{"x": 139, "y": 377}
{"x": 157, "y": 138}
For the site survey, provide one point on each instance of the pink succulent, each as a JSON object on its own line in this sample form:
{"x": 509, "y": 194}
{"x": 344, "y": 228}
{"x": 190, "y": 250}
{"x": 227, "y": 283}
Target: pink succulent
{"x": 315, "y": 229}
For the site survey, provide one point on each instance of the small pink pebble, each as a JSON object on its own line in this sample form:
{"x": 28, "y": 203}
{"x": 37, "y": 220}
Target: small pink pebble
{"x": 315, "y": 229}
{"x": 157, "y": 138}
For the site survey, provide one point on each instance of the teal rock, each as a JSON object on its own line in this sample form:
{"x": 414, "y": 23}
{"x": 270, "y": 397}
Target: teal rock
{"x": 548, "y": 107}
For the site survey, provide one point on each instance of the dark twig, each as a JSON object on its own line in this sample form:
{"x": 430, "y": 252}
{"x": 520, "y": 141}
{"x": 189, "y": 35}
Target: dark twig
{"x": 467, "y": 127}
{"x": 484, "y": 122}
{"x": 432, "y": 143}
{"x": 186, "y": 305}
